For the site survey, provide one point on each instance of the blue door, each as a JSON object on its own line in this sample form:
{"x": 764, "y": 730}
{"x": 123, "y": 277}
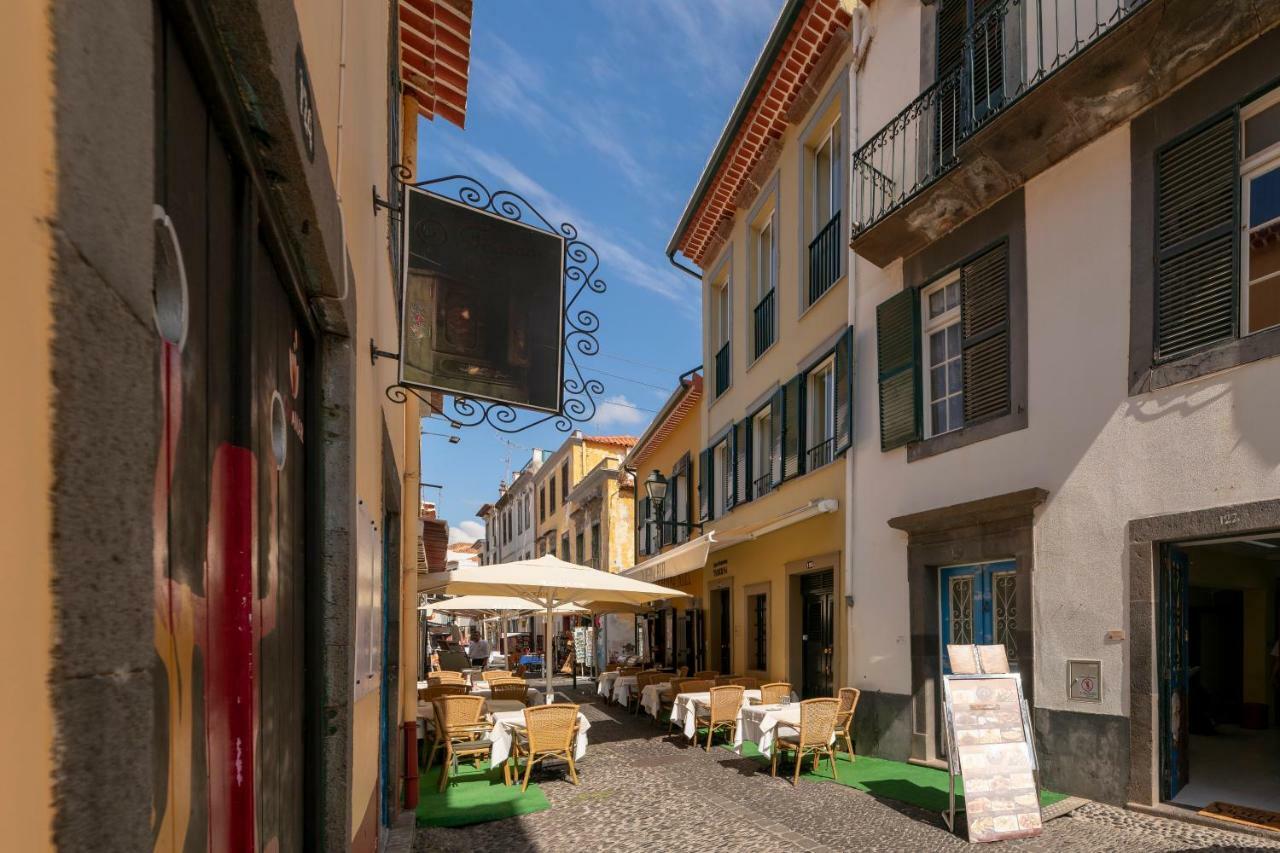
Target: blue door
{"x": 1175, "y": 721}
{"x": 979, "y": 606}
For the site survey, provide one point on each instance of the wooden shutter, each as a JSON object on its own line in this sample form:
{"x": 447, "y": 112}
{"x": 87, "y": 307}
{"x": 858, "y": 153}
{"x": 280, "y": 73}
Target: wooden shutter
{"x": 793, "y": 427}
{"x": 1197, "y": 213}
{"x": 844, "y": 391}
{"x": 984, "y": 335}
{"x": 705, "y": 502}
{"x": 743, "y": 468}
{"x": 639, "y": 520}
{"x": 898, "y": 357}
{"x": 777, "y": 408}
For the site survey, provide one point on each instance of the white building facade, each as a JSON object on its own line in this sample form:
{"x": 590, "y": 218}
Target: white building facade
{"x": 1066, "y": 304}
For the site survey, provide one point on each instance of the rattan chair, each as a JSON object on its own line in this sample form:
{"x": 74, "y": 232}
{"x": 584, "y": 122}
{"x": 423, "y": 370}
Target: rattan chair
{"x": 613, "y": 667}
{"x": 507, "y": 691}
{"x": 681, "y": 672}
{"x": 628, "y": 670}
{"x": 550, "y": 731}
{"x": 709, "y": 674}
{"x": 690, "y": 685}
{"x": 643, "y": 680}
{"x": 667, "y": 698}
{"x": 724, "y": 680}
{"x": 435, "y": 691}
{"x": 445, "y": 676}
{"x": 817, "y": 727}
{"x": 746, "y": 681}
{"x": 775, "y": 692}
{"x": 460, "y": 733}
{"x": 844, "y": 719}
{"x": 722, "y": 711}
{"x": 493, "y": 675}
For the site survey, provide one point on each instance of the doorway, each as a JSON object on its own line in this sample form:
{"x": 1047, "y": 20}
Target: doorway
{"x": 977, "y": 605}
{"x": 722, "y": 620}
{"x": 817, "y": 633}
{"x": 1218, "y": 663}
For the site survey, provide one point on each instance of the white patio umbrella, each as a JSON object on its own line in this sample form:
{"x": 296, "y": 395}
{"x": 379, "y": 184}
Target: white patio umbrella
{"x": 497, "y": 604}
{"x": 549, "y": 581}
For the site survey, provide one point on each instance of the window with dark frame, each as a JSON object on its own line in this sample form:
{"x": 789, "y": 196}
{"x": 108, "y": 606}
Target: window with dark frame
{"x": 564, "y": 482}
{"x": 595, "y": 545}
{"x": 542, "y": 504}
{"x": 757, "y": 623}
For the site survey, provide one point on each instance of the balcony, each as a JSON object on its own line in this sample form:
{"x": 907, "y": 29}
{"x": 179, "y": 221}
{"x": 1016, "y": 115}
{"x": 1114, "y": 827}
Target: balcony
{"x": 824, "y": 259}
{"x": 762, "y": 325}
{"x": 722, "y": 369}
{"x": 1039, "y": 80}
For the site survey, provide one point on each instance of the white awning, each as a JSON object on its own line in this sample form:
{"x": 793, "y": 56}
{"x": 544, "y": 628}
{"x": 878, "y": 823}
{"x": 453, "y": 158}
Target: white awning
{"x": 729, "y": 538}
{"x": 683, "y": 558}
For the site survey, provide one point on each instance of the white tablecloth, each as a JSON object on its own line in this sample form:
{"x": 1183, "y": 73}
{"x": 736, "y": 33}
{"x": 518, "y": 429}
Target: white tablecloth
{"x": 604, "y": 686}
{"x": 760, "y": 725}
{"x": 504, "y": 722}
{"x": 427, "y": 710}
{"x": 482, "y": 688}
{"x": 683, "y": 710}
{"x": 622, "y": 688}
{"x": 650, "y": 697}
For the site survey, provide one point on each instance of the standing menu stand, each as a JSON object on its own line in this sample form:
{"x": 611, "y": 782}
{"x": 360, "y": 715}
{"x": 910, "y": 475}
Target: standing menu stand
{"x": 990, "y": 746}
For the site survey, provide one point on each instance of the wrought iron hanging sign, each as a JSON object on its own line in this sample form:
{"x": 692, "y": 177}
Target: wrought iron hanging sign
{"x": 489, "y": 308}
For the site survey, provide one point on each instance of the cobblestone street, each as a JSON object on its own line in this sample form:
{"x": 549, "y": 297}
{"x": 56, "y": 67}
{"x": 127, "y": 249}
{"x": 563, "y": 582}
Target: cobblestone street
{"x": 643, "y": 790}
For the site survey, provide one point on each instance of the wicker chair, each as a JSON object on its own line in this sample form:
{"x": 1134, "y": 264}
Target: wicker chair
{"x": 510, "y": 690}
{"x": 709, "y": 674}
{"x": 817, "y": 727}
{"x": 613, "y": 667}
{"x": 643, "y": 680}
{"x": 682, "y": 672}
{"x": 445, "y": 676}
{"x": 492, "y": 675}
{"x": 722, "y": 712}
{"x": 629, "y": 670}
{"x": 435, "y": 691}
{"x": 667, "y": 698}
{"x": 844, "y": 719}
{"x": 689, "y": 685}
{"x": 549, "y": 732}
{"x": 459, "y": 732}
{"x": 507, "y": 681}
{"x": 724, "y": 680}
{"x": 775, "y": 692}
{"x": 746, "y": 681}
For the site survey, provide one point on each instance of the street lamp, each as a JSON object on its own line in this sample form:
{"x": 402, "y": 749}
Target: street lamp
{"x": 453, "y": 439}
{"x": 656, "y": 487}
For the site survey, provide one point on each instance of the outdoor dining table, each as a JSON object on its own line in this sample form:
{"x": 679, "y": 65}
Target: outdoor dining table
{"x": 622, "y": 688}
{"x": 482, "y": 688}
{"x": 683, "y": 713}
{"x": 604, "y": 685}
{"x": 506, "y": 723}
{"x": 760, "y": 723}
{"x": 651, "y": 697}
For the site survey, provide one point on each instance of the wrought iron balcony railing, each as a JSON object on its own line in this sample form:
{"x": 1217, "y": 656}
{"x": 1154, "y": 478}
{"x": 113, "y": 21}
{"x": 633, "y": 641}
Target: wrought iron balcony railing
{"x": 763, "y": 484}
{"x": 824, "y": 259}
{"x": 1010, "y": 49}
{"x": 762, "y": 327}
{"x": 821, "y": 453}
{"x": 722, "y": 369}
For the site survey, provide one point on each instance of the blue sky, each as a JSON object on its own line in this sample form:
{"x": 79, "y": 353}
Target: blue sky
{"x": 602, "y": 114}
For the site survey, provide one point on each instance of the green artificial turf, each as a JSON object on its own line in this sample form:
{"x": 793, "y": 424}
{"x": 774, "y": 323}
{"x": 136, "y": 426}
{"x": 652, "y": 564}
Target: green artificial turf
{"x": 474, "y": 796}
{"x": 925, "y": 787}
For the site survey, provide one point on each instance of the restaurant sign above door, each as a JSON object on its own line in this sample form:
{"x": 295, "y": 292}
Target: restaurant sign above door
{"x": 482, "y": 310}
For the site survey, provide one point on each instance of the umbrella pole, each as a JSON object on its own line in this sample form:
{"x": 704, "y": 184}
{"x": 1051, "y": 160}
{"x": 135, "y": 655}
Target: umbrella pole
{"x": 546, "y": 647}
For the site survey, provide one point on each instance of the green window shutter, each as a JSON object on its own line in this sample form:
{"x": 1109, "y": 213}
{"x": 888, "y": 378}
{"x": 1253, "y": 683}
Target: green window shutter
{"x": 793, "y": 427}
{"x": 898, "y": 357}
{"x": 640, "y": 549}
{"x": 984, "y": 335}
{"x": 1197, "y": 257}
{"x": 730, "y": 442}
{"x": 704, "y": 484}
{"x": 844, "y": 391}
{"x": 743, "y": 467}
{"x": 777, "y": 407}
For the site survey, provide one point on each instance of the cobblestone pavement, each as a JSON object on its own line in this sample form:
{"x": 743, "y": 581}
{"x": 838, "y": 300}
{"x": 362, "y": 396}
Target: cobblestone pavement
{"x": 642, "y": 790}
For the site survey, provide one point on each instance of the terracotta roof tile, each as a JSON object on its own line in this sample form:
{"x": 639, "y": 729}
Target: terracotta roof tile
{"x": 614, "y": 440}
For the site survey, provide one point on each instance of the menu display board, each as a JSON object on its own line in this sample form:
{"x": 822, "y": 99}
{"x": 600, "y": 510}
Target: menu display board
{"x": 990, "y": 745}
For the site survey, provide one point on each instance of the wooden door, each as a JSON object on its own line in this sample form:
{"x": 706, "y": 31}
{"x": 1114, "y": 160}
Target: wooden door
{"x": 1175, "y": 719}
{"x": 817, "y": 593}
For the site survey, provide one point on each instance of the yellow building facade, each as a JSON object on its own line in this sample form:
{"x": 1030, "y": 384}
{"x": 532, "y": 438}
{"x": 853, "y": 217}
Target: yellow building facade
{"x": 595, "y": 529}
{"x": 767, "y": 227}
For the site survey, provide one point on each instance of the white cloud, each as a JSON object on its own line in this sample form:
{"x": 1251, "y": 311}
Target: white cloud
{"x": 618, "y": 411}
{"x": 466, "y": 531}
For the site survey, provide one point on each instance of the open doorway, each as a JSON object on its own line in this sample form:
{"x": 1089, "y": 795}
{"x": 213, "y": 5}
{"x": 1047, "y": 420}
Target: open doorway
{"x": 1220, "y": 670}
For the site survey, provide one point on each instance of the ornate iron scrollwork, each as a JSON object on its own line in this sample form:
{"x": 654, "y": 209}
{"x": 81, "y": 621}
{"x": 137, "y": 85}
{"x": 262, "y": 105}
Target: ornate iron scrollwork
{"x": 581, "y": 273}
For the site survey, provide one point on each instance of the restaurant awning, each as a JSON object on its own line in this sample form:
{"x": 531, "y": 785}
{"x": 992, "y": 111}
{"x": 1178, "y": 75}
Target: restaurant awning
{"x": 683, "y": 558}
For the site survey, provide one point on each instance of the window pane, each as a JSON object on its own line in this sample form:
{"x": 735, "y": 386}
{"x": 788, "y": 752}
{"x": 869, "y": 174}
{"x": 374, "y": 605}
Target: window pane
{"x": 1264, "y": 198}
{"x": 1264, "y": 253}
{"x": 1262, "y": 131}
{"x": 955, "y": 413}
{"x": 953, "y": 376}
{"x": 937, "y": 347}
{"x": 938, "y": 412}
{"x": 953, "y": 340}
{"x": 1264, "y": 304}
{"x": 953, "y": 294}
{"x": 936, "y": 303}
{"x": 938, "y": 382}
{"x": 822, "y": 186}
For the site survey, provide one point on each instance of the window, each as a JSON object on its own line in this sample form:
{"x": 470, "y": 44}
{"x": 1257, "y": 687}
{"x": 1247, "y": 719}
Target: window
{"x": 579, "y": 552}
{"x": 678, "y": 498}
{"x": 764, "y": 271}
{"x": 551, "y": 494}
{"x": 542, "y": 504}
{"x": 766, "y": 464}
{"x": 721, "y": 314}
{"x": 758, "y": 632}
{"x": 595, "y": 545}
{"x": 1260, "y": 195}
{"x": 822, "y": 415}
{"x": 723, "y": 477}
{"x": 564, "y": 482}
{"x": 943, "y": 386}
{"x": 824, "y": 193}
{"x": 564, "y": 546}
